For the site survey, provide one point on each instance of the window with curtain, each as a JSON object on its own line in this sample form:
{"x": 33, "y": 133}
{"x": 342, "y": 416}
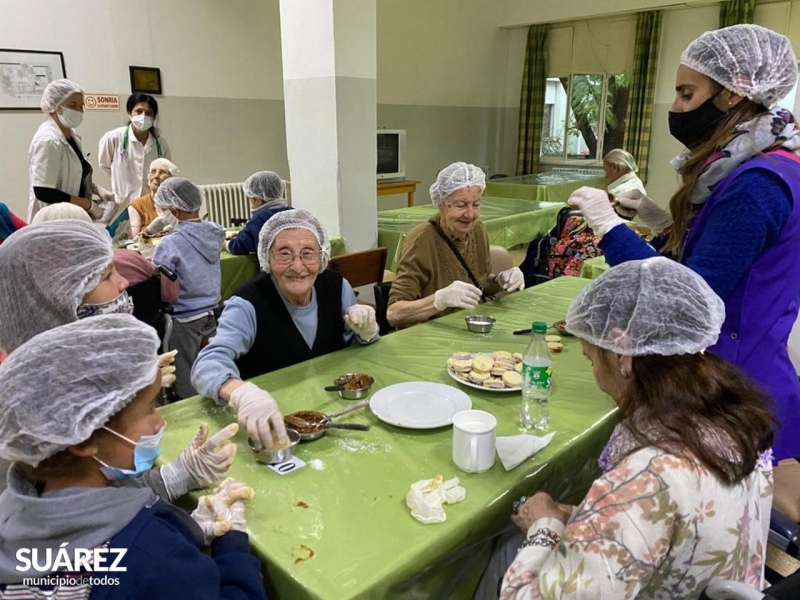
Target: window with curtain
{"x": 584, "y": 115}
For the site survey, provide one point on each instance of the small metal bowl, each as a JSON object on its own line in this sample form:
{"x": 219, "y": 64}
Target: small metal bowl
{"x": 273, "y": 457}
{"x": 310, "y": 416}
{"x": 354, "y": 394}
{"x": 480, "y": 323}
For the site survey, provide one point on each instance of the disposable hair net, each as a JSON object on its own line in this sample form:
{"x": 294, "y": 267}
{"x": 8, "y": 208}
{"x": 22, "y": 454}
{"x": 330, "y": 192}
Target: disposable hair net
{"x": 621, "y": 158}
{"x": 45, "y": 271}
{"x": 56, "y": 92}
{"x": 749, "y": 60}
{"x": 178, "y": 193}
{"x": 60, "y": 211}
{"x": 168, "y": 165}
{"x": 267, "y": 186}
{"x": 287, "y": 220}
{"x": 63, "y": 384}
{"x": 455, "y": 177}
{"x": 647, "y": 307}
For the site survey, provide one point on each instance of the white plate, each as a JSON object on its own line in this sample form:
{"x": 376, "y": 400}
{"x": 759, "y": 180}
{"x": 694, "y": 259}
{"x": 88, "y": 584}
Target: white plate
{"x": 418, "y": 404}
{"x": 483, "y": 388}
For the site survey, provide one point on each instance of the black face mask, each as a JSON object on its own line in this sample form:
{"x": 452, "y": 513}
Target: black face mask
{"x": 693, "y": 127}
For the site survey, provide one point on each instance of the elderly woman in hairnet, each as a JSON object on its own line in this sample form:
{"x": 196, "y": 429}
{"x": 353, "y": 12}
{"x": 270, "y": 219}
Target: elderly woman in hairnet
{"x": 75, "y": 443}
{"x": 445, "y": 262}
{"x": 192, "y": 253}
{"x": 735, "y": 219}
{"x": 621, "y": 168}
{"x": 294, "y": 311}
{"x": 264, "y": 190}
{"x": 59, "y": 172}
{"x": 145, "y": 217}
{"x": 687, "y": 480}
{"x": 58, "y": 272}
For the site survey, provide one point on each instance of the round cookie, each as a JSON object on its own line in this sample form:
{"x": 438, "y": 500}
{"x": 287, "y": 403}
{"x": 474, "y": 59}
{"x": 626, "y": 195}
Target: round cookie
{"x": 512, "y": 379}
{"x": 460, "y": 365}
{"x": 478, "y": 376}
{"x": 482, "y": 363}
{"x": 552, "y": 338}
{"x": 502, "y": 355}
{"x": 494, "y": 383}
{"x": 517, "y": 357}
{"x": 555, "y": 347}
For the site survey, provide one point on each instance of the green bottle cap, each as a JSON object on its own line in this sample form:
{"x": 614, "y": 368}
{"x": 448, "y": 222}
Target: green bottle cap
{"x": 539, "y": 327}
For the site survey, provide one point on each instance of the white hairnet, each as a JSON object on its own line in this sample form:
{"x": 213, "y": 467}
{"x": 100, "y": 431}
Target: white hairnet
{"x": 647, "y": 307}
{"x": 749, "y": 60}
{"x": 45, "y": 271}
{"x": 267, "y": 186}
{"x": 60, "y": 211}
{"x": 165, "y": 164}
{"x": 63, "y": 384}
{"x": 290, "y": 219}
{"x": 621, "y": 158}
{"x": 455, "y": 177}
{"x": 56, "y": 92}
{"x": 179, "y": 193}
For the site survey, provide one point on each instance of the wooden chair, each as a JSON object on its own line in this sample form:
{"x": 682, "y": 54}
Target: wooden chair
{"x": 360, "y": 268}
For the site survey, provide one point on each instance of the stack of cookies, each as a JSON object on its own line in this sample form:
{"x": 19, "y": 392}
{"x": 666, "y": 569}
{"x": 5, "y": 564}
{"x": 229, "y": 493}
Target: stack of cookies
{"x": 495, "y": 370}
{"x": 554, "y": 343}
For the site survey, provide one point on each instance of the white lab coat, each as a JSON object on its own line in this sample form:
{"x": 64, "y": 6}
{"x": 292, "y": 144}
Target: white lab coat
{"x": 626, "y": 183}
{"x": 54, "y": 164}
{"x": 129, "y": 172}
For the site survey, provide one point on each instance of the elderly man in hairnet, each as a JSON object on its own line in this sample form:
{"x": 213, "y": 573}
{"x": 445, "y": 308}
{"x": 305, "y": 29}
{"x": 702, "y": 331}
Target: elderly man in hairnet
{"x": 264, "y": 191}
{"x": 192, "y": 253}
{"x": 146, "y": 218}
{"x": 293, "y": 311}
{"x": 446, "y": 263}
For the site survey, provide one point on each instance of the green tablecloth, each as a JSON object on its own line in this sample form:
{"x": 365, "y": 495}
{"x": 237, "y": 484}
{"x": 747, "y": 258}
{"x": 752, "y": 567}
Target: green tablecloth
{"x": 509, "y": 222}
{"x": 594, "y": 267}
{"x": 347, "y": 507}
{"x": 549, "y": 187}
{"x": 236, "y": 269}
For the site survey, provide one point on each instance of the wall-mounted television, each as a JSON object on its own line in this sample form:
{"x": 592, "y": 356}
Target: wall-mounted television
{"x": 391, "y": 153}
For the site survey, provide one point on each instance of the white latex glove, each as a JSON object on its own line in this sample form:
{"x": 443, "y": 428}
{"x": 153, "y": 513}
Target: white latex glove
{"x": 596, "y": 209}
{"x": 511, "y": 279}
{"x": 651, "y": 214}
{"x": 223, "y": 511}
{"x": 205, "y": 462}
{"x": 95, "y": 211}
{"x": 458, "y": 294}
{"x": 361, "y": 320}
{"x": 167, "y": 368}
{"x": 259, "y": 414}
{"x": 161, "y": 223}
{"x": 104, "y": 194}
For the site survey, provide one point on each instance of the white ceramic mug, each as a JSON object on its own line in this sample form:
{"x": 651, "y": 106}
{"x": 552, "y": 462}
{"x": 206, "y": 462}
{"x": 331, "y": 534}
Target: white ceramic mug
{"x": 474, "y": 440}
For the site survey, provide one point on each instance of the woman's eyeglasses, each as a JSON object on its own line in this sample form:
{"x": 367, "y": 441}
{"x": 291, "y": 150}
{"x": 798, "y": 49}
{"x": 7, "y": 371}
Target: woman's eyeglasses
{"x": 286, "y": 257}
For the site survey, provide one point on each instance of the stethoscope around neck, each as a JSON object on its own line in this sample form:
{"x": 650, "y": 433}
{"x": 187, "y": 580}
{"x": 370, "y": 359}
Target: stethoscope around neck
{"x": 123, "y": 151}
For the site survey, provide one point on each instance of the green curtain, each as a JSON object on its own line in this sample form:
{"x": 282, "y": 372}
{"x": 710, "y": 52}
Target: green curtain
{"x": 531, "y": 102}
{"x": 639, "y": 118}
{"x": 736, "y": 12}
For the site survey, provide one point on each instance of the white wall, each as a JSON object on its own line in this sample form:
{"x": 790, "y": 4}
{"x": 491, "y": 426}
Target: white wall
{"x": 222, "y": 109}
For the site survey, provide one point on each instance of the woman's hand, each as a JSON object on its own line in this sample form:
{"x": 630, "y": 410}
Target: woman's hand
{"x": 537, "y": 507}
{"x": 596, "y": 209}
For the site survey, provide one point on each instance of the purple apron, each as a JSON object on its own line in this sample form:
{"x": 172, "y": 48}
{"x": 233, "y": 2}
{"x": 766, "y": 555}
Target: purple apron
{"x": 761, "y": 310}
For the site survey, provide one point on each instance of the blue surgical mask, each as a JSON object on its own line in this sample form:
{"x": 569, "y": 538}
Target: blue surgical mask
{"x": 121, "y": 304}
{"x": 145, "y": 453}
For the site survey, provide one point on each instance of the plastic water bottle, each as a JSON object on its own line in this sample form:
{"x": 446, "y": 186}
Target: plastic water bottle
{"x": 537, "y": 370}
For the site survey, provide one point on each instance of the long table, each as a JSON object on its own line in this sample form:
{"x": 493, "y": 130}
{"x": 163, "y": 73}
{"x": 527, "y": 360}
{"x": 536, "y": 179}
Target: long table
{"x": 339, "y": 527}
{"x": 509, "y": 222}
{"x": 542, "y": 187}
{"x": 236, "y": 269}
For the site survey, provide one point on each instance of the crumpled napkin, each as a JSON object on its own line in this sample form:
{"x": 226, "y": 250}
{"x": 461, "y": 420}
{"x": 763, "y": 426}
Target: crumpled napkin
{"x": 425, "y": 498}
{"x": 514, "y": 449}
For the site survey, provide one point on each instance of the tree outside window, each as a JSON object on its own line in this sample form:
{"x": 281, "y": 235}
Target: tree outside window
{"x": 584, "y": 116}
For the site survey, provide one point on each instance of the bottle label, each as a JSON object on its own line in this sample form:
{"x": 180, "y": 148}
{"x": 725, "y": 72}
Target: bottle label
{"x": 537, "y": 376}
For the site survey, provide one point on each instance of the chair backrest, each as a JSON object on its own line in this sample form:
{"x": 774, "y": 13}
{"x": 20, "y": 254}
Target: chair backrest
{"x": 147, "y": 304}
{"x": 360, "y": 268}
{"x": 501, "y": 259}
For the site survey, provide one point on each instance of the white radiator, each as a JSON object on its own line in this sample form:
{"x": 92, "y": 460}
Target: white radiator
{"x": 225, "y": 201}
{"x": 579, "y": 171}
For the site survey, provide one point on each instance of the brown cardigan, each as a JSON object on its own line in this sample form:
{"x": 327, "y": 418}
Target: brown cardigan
{"x": 146, "y": 209}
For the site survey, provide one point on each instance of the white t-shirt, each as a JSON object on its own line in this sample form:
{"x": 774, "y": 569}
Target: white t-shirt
{"x": 128, "y": 167}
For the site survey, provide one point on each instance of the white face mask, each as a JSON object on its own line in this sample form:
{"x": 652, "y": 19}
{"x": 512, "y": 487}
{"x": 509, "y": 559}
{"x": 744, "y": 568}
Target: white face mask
{"x": 142, "y": 122}
{"x": 70, "y": 118}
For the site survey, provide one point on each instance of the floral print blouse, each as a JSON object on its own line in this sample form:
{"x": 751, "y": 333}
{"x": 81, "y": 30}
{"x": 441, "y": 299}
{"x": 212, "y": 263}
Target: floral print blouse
{"x": 657, "y": 525}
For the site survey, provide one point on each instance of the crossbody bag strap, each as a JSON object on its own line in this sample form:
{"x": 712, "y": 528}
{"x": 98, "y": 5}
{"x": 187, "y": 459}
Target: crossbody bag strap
{"x": 460, "y": 258}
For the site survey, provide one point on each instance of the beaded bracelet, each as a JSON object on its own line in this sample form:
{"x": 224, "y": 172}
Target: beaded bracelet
{"x": 543, "y": 537}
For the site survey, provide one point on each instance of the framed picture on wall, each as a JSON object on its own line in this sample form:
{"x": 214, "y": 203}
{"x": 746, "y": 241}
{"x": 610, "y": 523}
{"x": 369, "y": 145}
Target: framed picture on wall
{"x": 24, "y": 75}
{"x": 146, "y": 80}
